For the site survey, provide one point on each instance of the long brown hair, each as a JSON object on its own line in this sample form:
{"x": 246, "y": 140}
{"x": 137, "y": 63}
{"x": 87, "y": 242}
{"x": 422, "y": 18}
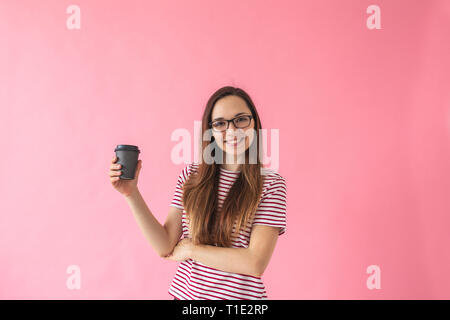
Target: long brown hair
{"x": 208, "y": 224}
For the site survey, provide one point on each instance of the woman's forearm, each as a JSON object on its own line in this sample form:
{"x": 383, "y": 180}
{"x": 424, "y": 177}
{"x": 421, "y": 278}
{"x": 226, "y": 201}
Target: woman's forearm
{"x": 153, "y": 231}
{"x": 235, "y": 260}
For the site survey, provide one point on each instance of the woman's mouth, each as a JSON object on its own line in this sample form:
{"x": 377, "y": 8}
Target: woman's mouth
{"x": 233, "y": 143}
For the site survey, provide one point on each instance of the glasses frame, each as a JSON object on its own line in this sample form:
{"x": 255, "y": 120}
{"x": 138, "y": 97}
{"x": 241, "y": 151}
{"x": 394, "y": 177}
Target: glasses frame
{"x": 232, "y": 120}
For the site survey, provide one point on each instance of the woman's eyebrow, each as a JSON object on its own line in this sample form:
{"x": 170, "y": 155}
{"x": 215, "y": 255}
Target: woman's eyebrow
{"x": 220, "y": 118}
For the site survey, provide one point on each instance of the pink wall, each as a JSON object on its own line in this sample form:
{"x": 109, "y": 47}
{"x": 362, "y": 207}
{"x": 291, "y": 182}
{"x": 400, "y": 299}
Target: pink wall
{"x": 364, "y": 120}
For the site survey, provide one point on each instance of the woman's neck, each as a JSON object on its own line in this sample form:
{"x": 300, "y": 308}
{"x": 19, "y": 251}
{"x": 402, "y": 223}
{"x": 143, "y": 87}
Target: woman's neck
{"x": 231, "y": 166}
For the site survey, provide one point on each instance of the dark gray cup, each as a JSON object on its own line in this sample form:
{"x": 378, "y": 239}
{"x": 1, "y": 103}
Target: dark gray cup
{"x": 127, "y": 155}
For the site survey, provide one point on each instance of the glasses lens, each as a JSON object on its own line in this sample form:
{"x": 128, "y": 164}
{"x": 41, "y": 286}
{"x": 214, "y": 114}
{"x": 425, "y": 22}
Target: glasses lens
{"x": 219, "y": 125}
{"x": 242, "y": 122}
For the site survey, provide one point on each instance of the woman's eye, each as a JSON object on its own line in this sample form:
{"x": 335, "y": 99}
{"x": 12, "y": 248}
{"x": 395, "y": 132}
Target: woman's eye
{"x": 219, "y": 123}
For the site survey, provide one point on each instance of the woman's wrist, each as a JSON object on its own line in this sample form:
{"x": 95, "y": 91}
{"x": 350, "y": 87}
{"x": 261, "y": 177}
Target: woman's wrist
{"x": 132, "y": 194}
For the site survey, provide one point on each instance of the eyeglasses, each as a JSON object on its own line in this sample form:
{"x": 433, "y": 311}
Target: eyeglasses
{"x": 239, "y": 122}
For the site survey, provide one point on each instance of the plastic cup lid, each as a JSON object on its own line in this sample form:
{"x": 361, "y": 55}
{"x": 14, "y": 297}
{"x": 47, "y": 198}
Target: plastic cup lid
{"x": 126, "y": 147}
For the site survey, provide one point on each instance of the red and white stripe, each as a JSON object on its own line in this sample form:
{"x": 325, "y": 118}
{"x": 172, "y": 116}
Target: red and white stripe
{"x": 196, "y": 281}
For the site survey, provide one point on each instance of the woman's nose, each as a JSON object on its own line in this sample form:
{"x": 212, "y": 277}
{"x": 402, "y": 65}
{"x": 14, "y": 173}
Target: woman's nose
{"x": 234, "y": 133}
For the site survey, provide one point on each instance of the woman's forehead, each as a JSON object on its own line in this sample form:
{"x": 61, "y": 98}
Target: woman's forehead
{"x": 228, "y": 107}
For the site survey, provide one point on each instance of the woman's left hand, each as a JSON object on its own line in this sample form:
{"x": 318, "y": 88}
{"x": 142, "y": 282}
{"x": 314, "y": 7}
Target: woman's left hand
{"x": 182, "y": 250}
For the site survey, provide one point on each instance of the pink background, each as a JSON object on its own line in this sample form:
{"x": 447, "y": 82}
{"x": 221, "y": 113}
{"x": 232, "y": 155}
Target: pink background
{"x": 364, "y": 120}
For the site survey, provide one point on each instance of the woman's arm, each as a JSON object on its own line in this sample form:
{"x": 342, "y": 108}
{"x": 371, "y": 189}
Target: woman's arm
{"x": 235, "y": 260}
{"x": 153, "y": 231}
{"x": 252, "y": 260}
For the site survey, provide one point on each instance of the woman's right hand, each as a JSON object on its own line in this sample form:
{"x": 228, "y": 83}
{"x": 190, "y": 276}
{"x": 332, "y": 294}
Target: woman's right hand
{"x": 125, "y": 187}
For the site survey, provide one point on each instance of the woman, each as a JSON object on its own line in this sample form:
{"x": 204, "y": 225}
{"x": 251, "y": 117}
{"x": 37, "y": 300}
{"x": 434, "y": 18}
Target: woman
{"x": 228, "y": 208}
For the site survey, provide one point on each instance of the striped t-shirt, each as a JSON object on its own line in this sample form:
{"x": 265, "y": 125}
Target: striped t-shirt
{"x": 196, "y": 281}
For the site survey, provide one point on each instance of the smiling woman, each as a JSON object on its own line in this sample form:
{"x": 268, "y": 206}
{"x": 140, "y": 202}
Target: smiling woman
{"x": 231, "y": 213}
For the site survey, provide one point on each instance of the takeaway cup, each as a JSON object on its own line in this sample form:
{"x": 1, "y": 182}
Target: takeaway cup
{"x": 127, "y": 156}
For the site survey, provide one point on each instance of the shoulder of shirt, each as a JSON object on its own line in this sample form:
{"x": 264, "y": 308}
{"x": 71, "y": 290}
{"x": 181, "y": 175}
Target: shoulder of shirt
{"x": 186, "y": 171}
{"x": 191, "y": 167}
{"x": 272, "y": 175}
{"x": 273, "y": 182}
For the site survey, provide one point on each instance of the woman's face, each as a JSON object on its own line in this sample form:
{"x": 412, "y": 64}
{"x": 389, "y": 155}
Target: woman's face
{"x": 227, "y": 108}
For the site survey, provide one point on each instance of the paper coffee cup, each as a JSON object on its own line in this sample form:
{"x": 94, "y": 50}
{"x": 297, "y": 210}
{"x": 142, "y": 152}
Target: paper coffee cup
{"x": 127, "y": 156}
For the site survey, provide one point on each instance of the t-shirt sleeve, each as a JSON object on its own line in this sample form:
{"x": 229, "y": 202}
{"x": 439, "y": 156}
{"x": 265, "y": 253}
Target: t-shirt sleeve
{"x": 272, "y": 207}
{"x": 177, "y": 196}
